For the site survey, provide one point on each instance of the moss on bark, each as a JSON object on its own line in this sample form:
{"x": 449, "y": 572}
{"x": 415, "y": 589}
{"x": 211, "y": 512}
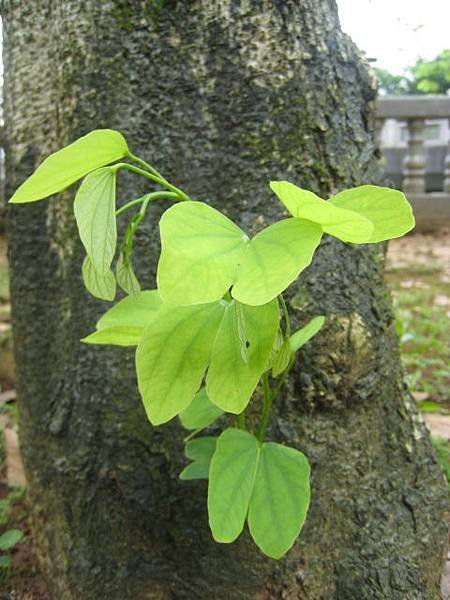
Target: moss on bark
{"x": 222, "y": 96}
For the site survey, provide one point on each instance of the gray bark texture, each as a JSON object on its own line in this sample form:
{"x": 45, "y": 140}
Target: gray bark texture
{"x": 222, "y": 96}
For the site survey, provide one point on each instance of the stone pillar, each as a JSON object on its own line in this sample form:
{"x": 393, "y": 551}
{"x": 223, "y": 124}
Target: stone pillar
{"x": 414, "y": 163}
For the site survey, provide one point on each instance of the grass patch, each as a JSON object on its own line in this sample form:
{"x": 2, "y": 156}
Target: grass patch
{"x": 422, "y": 306}
{"x": 418, "y": 274}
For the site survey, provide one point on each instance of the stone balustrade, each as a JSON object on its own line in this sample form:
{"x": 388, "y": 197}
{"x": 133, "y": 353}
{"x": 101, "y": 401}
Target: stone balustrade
{"x": 431, "y": 208}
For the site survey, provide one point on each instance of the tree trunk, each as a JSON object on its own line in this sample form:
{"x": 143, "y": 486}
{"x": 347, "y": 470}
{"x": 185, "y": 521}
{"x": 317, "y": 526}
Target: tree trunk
{"x": 222, "y": 95}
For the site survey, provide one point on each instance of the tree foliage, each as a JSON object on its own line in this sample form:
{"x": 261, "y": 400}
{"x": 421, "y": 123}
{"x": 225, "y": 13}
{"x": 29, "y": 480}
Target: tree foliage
{"x": 424, "y": 77}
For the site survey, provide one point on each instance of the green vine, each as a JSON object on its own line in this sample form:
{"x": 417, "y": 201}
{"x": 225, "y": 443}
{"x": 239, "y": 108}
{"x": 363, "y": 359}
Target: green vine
{"x": 217, "y": 327}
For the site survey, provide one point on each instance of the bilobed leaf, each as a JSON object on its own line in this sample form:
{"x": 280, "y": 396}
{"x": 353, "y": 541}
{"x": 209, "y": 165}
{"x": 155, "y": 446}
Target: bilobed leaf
{"x": 101, "y": 286}
{"x": 231, "y": 477}
{"x": 10, "y": 538}
{"x": 133, "y": 311}
{"x": 273, "y": 260}
{"x": 200, "y": 413}
{"x": 387, "y": 209}
{"x": 200, "y": 249}
{"x": 268, "y": 482}
{"x": 115, "y": 336}
{"x": 303, "y": 335}
{"x": 126, "y": 277}
{"x": 230, "y": 382}
{"x": 346, "y": 225}
{"x": 96, "y": 149}
{"x": 279, "y": 500}
{"x": 200, "y": 451}
{"x": 124, "y": 323}
{"x": 94, "y": 208}
{"x": 294, "y": 198}
{"x": 172, "y": 357}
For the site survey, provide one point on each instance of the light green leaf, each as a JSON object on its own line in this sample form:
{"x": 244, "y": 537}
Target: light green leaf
{"x": 230, "y": 382}
{"x": 133, "y": 311}
{"x": 126, "y": 277}
{"x": 94, "y": 207}
{"x": 295, "y": 198}
{"x": 10, "y": 538}
{"x": 115, "y": 336}
{"x": 273, "y": 260}
{"x": 200, "y": 451}
{"x": 200, "y": 413}
{"x": 346, "y": 225}
{"x": 268, "y": 482}
{"x": 231, "y": 477}
{"x": 243, "y": 338}
{"x": 100, "y": 286}
{"x": 387, "y": 209}
{"x": 124, "y": 323}
{"x": 303, "y": 335}
{"x": 172, "y": 357}
{"x": 200, "y": 249}
{"x": 282, "y": 359}
{"x": 279, "y": 500}
{"x": 61, "y": 169}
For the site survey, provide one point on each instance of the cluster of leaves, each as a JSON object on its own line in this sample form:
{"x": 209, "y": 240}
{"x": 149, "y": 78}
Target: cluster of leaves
{"x": 424, "y": 77}
{"x": 217, "y": 325}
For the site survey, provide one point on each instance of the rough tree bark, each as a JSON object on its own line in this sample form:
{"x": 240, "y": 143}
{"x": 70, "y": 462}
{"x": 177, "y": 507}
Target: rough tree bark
{"x": 223, "y": 95}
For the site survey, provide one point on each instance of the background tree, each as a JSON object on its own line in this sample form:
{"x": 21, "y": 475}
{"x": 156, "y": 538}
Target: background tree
{"x": 222, "y": 97}
{"x": 392, "y": 85}
{"x": 424, "y": 77}
{"x": 432, "y": 76}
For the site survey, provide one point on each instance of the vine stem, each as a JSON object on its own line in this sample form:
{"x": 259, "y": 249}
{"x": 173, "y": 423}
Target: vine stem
{"x": 192, "y": 434}
{"x": 270, "y": 395}
{"x": 240, "y": 420}
{"x": 181, "y": 195}
{"x": 268, "y": 399}
{"x": 144, "y": 164}
{"x": 146, "y": 199}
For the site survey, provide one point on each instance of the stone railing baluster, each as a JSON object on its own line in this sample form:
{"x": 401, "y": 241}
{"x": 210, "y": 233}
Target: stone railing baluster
{"x": 414, "y": 162}
{"x": 431, "y": 208}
